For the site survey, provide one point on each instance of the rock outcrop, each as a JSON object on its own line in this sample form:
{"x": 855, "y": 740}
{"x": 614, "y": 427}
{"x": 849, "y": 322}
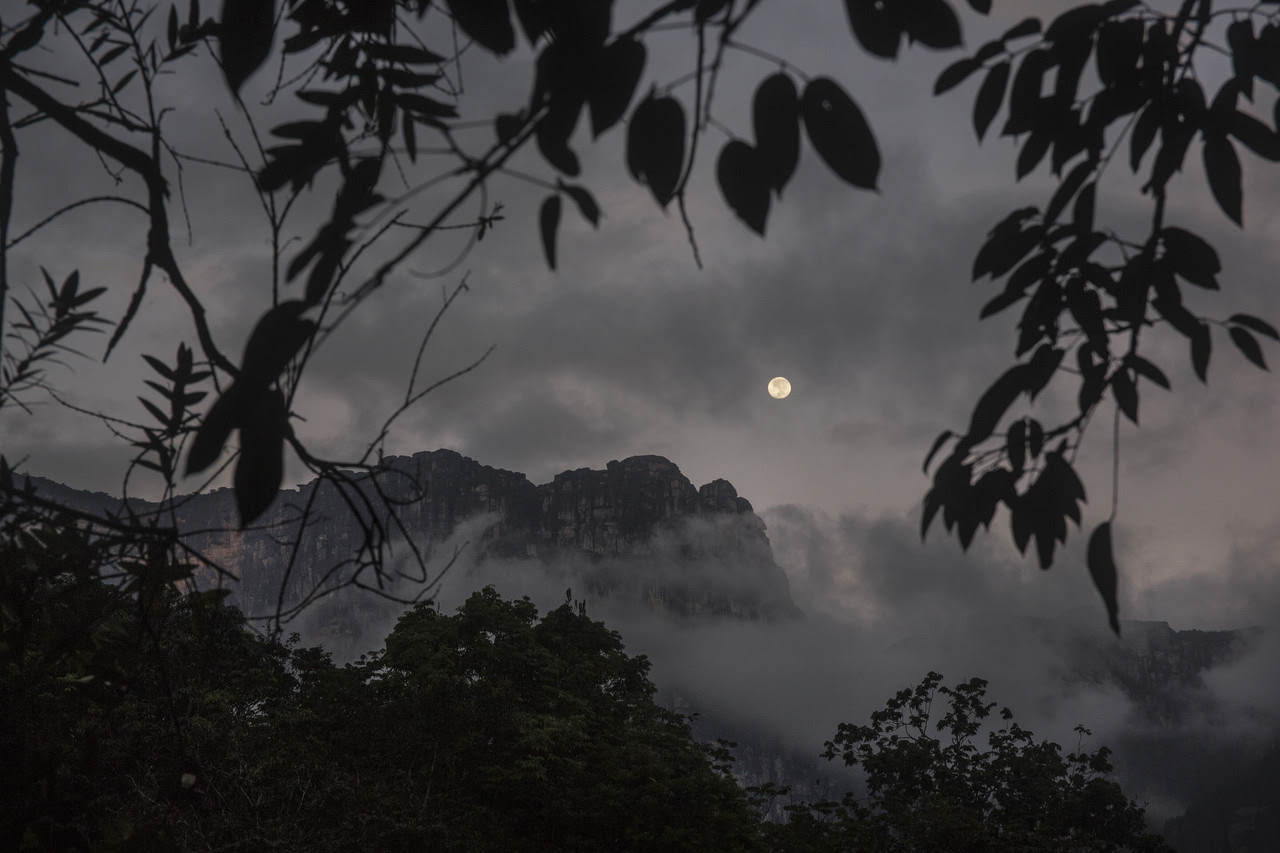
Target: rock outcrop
{"x": 638, "y": 531}
{"x": 1158, "y": 668}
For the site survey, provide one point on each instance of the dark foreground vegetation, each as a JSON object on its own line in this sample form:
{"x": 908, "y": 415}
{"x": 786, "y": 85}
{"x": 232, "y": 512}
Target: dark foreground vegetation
{"x": 138, "y": 718}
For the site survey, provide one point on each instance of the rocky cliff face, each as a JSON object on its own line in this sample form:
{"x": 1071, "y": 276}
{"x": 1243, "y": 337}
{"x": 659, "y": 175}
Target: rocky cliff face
{"x": 638, "y": 531}
{"x": 1161, "y": 670}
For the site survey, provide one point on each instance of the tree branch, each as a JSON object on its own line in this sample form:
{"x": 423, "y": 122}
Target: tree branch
{"x": 140, "y": 163}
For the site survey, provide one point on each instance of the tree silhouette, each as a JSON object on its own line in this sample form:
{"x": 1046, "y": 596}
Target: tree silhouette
{"x": 384, "y": 118}
{"x": 1087, "y": 291}
{"x": 934, "y": 783}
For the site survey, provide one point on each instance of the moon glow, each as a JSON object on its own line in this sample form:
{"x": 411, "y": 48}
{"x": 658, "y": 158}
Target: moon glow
{"x": 779, "y": 387}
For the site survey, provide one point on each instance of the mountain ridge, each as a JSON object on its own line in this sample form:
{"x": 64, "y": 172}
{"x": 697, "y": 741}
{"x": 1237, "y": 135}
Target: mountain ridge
{"x": 639, "y": 533}
{"x": 624, "y": 526}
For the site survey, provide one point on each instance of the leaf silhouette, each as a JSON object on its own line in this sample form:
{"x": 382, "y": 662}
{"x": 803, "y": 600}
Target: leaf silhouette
{"x": 707, "y": 9}
{"x": 507, "y": 125}
{"x": 1143, "y": 367}
{"x": 529, "y": 13}
{"x": 1102, "y": 569}
{"x": 1260, "y": 326}
{"x": 1035, "y": 438}
{"x": 1201, "y": 348}
{"x": 1025, "y": 92}
{"x": 1076, "y": 24}
{"x": 1144, "y": 133}
{"x": 1016, "y": 444}
{"x": 621, "y": 64}
{"x": 1007, "y": 244}
{"x": 1044, "y": 363}
{"x": 955, "y": 74}
{"x": 741, "y": 176}
{"x": 585, "y": 201}
{"x": 1082, "y": 212}
{"x": 937, "y": 445}
{"x": 260, "y": 468}
{"x": 990, "y": 96}
{"x": 1025, "y": 27}
{"x": 655, "y": 145}
{"x": 875, "y": 26}
{"x": 226, "y": 414}
{"x": 1248, "y": 346}
{"x": 775, "y": 115}
{"x": 1191, "y": 257}
{"x": 553, "y": 132}
{"x": 548, "y": 222}
{"x": 486, "y": 21}
{"x": 840, "y": 134}
{"x": 1033, "y": 151}
{"x": 273, "y": 343}
{"x": 244, "y": 38}
{"x": 1256, "y": 136}
{"x": 933, "y": 24}
{"x": 1126, "y": 394}
{"x": 995, "y": 402}
{"x": 1222, "y": 168}
{"x": 1244, "y": 53}
{"x": 1119, "y": 50}
{"x": 1067, "y": 189}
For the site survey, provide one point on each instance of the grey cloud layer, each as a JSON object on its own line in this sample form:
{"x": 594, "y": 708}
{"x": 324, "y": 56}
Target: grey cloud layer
{"x": 861, "y": 300}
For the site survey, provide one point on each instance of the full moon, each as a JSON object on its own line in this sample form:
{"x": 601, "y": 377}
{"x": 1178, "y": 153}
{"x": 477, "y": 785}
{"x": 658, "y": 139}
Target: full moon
{"x": 779, "y": 387}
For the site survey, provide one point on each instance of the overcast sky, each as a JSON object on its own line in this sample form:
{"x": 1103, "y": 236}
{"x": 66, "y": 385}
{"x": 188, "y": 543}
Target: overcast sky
{"x": 861, "y": 300}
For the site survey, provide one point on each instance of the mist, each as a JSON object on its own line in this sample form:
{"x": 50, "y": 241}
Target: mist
{"x": 880, "y": 611}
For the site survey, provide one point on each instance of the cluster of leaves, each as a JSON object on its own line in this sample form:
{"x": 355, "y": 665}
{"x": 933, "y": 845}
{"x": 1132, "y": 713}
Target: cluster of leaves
{"x": 929, "y": 786}
{"x": 39, "y": 338}
{"x": 1086, "y": 292}
{"x": 160, "y": 446}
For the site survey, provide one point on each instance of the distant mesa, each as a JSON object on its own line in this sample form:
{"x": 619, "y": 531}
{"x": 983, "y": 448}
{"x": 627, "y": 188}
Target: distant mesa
{"x": 636, "y": 532}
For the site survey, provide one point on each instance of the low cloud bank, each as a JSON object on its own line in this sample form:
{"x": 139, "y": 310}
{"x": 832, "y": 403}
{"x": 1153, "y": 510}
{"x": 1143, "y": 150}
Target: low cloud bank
{"x": 881, "y": 611}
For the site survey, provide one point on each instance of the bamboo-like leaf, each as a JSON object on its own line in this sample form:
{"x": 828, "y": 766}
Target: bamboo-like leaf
{"x": 159, "y": 367}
